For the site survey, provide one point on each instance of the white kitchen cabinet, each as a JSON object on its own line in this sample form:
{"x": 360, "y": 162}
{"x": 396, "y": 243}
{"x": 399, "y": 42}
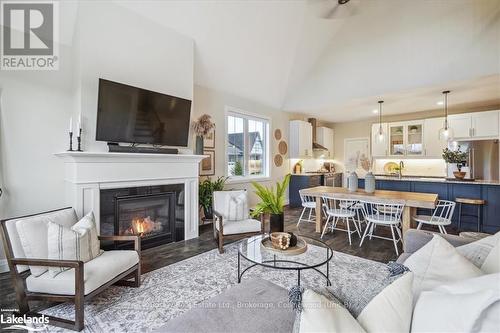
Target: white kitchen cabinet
{"x": 406, "y": 138}
{"x": 300, "y": 139}
{"x": 324, "y": 136}
{"x": 379, "y": 149}
{"x": 477, "y": 125}
{"x": 433, "y": 147}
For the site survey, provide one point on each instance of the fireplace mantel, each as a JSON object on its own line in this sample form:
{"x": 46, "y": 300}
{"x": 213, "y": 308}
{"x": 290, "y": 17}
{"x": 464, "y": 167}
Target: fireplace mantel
{"x": 86, "y": 173}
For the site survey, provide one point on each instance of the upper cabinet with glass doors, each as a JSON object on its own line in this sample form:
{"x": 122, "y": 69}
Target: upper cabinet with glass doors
{"x": 406, "y": 138}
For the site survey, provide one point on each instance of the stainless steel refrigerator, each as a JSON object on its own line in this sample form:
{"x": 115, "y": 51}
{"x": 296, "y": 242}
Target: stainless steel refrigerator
{"x": 482, "y": 161}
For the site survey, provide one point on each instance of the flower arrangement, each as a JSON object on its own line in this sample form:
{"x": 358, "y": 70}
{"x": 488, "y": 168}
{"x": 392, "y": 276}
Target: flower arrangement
{"x": 203, "y": 125}
{"x": 455, "y": 157}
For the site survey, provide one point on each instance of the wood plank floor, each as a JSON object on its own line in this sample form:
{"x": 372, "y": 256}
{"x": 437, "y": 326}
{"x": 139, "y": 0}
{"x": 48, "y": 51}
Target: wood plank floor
{"x": 375, "y": 249}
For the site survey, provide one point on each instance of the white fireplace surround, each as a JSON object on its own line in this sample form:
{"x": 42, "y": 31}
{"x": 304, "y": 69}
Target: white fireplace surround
{"x": 87, "y": 173}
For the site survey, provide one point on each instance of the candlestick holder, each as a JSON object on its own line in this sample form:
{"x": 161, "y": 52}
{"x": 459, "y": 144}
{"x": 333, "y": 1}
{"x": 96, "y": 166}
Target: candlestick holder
{"x": 70, "y": 141}
{"x": 79, "y": 139}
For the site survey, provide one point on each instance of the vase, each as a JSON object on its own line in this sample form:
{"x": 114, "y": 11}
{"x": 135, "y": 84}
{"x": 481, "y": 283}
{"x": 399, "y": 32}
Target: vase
{"x": 369, "y": 182}
{"x": 352, "y": 182}
{"x": 198, "y": 150}
{"x": 459, "y": 174}
{"x": 208, "y": 212}
{"x": 277, "y": 222}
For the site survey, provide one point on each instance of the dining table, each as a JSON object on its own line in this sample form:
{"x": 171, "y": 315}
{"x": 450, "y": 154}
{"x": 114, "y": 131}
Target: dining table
{"x": 412, "y": 201}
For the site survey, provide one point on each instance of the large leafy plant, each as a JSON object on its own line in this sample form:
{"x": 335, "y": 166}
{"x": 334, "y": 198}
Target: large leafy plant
{"x": 455, "y": 157}
{"x": 207, "y": 188}
{"x": 272, "y": 199}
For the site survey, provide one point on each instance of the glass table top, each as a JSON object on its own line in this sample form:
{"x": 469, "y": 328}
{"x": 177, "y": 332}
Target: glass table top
{"x": 318, "y": 253}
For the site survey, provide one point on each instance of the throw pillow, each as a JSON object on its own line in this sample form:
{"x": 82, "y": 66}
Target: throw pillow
{"x": 436, "y": 263}
{"x": 88, "y": 223}
{"x": 477, "y": 251}
{"x": 492, "y": 262}
{"x": 391, "y": 310}
{"x": 322, "y": 315}
{"x": 470, "y": 305}
{"x": 236, "y": 207}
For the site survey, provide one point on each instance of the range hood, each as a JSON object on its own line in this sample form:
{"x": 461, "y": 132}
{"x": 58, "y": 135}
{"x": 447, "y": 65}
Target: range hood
{"x": 316, "y": 145}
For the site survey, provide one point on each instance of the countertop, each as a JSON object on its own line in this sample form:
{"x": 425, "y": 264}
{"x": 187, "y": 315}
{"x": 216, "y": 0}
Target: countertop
{"x": 435, "y": 180}
{"x": 315, "y": 173}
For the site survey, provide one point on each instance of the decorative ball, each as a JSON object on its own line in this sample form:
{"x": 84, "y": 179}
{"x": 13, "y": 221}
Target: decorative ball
{"x": 293, "y": 239}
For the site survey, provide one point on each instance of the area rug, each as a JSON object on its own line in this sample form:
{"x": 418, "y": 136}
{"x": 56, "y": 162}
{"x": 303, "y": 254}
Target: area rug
{"x": 172, "y": 290}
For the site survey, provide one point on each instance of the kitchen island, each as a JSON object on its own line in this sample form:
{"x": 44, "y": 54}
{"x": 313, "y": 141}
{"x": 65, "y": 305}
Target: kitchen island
{"x": 450, "y": 190}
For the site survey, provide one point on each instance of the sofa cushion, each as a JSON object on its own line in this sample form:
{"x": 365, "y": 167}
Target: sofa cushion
{"x": 478, "y": 250}
{"x": 470, "y": 305}
{"x": 391, "y": 310}
{"x": 319, "y": 314}
{"x": 238, "y": 227}
{"x": 33, "y": 233}
{"x": 436, "y": 263}
{"x": 492, "y": 262}
{"x": 96, "y": 273}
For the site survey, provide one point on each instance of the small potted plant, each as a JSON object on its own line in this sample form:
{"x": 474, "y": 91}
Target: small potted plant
{"x": 201, "y": 128}
{"x": 457, "y": 157}
{"x": 272, "y": 203}
{"x": 205, "y": 194}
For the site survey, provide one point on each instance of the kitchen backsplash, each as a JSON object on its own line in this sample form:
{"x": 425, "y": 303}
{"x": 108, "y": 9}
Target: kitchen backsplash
{"x": 415, "y": 167}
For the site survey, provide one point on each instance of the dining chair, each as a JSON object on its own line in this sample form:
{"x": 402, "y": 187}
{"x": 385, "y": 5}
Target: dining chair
{"x": 441, "y": 216}
{"x": 357, "y": 208}
{"x": 308, "y": 203}
{"x": 336, "y": 210}
{"x": 386, "y": 213}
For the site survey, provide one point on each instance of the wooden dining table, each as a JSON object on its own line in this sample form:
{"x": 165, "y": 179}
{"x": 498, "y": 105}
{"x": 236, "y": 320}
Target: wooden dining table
{"x": 413, "y": 200}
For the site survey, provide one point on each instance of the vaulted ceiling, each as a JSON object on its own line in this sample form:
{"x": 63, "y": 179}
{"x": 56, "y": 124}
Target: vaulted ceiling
{"x": 336, "y": 62}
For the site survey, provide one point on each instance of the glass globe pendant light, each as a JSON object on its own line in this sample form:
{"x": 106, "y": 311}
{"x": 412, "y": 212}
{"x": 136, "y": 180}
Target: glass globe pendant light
{"x": 380, "y": 137}
{"x": 446, "y": 133}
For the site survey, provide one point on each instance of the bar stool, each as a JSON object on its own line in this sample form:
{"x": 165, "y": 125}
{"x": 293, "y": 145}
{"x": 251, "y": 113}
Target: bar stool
{"x": 474, "y": 202}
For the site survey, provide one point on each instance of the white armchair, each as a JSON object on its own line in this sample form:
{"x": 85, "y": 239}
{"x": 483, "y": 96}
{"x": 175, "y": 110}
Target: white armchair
{"x": 231, "y": 216}
{"x": 81, "y": 281}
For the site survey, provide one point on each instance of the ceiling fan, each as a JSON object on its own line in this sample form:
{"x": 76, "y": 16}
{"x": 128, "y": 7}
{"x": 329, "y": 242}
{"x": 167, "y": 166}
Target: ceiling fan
{"x": 338, "y": 9}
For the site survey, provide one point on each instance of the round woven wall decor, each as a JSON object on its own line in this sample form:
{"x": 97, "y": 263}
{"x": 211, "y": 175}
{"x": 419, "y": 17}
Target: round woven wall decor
{"x": 282, "y": 147}
{"x": 278, "y": 160}
{"x": 277, "y": 134}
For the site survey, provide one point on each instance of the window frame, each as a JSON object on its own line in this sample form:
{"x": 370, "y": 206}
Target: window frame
{"x": 236, "y": 112}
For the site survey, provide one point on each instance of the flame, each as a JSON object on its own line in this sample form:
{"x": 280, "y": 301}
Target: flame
{"x": 143, "y": 226}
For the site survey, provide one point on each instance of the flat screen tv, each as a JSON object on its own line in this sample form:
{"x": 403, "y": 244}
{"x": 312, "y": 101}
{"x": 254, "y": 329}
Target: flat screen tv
{"x": 134, "y": 115}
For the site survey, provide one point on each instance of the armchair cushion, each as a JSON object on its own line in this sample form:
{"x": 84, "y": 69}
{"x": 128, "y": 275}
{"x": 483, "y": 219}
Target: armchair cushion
{"x": 232, "y": 205}
{"x": 97, "y": 272}
{"x": 32, "y": 234}
{"x": 240, "y": 227}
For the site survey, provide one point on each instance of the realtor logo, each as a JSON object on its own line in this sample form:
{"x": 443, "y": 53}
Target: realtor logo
{"x": 29, "y": 35}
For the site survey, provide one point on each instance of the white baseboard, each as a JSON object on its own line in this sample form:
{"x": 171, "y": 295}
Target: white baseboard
{"x": 4, "y": 267}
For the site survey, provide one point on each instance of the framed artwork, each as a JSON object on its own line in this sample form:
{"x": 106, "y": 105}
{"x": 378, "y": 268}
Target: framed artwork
{"x": 357, "y": 155}
{"x": 209, "y": 140}
{"x": 207, "y": 165}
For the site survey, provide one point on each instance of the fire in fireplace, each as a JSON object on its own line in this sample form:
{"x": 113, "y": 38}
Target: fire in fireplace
{"x": 144, "y": 226}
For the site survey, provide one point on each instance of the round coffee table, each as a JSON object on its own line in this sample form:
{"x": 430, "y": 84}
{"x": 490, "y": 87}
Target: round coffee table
{"x": 317, "y": 254}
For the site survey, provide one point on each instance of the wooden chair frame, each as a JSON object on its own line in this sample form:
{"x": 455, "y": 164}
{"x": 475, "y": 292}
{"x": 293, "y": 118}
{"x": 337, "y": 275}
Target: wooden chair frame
{"x": 23, "y": 296}
{"x": 219, "y": 234}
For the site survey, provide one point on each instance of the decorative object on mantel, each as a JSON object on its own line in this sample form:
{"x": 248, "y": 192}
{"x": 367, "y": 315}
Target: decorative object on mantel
{"x": 207, "y": 165}
{"x": 282, "y": 147}
{"x": 79, "y": 133}
{"x": 272, "y": 203}
{"x": 206, "y": 189}
{"x": 457, "y": 157}
{"x": 70, "y": 134}
{"x": 202, "y": 128}
{"x": 280, "y": 243}
{"x": 446, "y": 133}
{"x": 278, "y": 160}
{"x": 277, "y": 134}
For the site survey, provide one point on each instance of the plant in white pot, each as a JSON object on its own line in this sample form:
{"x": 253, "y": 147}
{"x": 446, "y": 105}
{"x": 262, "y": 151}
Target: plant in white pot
{"x": 272, "y": 203}
{"x": 457, "y": 157}
{"x": 201, "y": 128}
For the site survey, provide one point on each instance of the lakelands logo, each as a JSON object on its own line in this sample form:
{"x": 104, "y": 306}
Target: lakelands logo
{"x": 25, "y": 323}
{"x": 30, "y": 33}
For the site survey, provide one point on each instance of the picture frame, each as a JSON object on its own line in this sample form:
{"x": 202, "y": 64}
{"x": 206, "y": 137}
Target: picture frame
{"x": 209, "y": 140}
{"x": 207, "y": 165}
{"x": 357, "y": 155}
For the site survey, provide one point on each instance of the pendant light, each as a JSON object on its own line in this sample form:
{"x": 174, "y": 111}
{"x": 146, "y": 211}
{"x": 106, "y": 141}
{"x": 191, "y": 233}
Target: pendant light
{"x": 380, "y": 134}
{"x": 446, "y": 133}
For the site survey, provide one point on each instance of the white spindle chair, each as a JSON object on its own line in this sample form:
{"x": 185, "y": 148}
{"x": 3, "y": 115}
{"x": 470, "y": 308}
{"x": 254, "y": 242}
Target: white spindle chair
{"x": 441, "y": 216}
{"x": 336, "y": 210}
{"x": 308, "y": 203}
{"x": 386, "y": 213}
{"x": 357, "y": 208}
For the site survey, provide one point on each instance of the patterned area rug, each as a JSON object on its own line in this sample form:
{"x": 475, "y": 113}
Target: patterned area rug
{"x": 172, "y": 290}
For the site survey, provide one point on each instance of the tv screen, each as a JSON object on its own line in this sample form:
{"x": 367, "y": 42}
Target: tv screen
{"x": 134, "y": 115}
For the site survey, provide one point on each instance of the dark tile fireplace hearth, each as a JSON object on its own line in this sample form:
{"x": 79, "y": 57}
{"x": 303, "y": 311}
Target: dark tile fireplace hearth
{"x": 156, "y": 213}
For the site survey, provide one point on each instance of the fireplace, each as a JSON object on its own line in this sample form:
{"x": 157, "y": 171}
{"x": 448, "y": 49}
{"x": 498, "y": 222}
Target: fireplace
{"x": 155, "y": 213}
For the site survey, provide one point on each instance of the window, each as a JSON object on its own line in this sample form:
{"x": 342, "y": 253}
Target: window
{"x": 247, "y": 145}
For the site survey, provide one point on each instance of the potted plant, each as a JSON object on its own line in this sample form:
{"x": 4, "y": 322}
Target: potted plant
{"x": 456, "y": 157}
{"x": 272, "y": 202}
{"x": 205, "y": 194}
{"x": 201, "y": 128}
